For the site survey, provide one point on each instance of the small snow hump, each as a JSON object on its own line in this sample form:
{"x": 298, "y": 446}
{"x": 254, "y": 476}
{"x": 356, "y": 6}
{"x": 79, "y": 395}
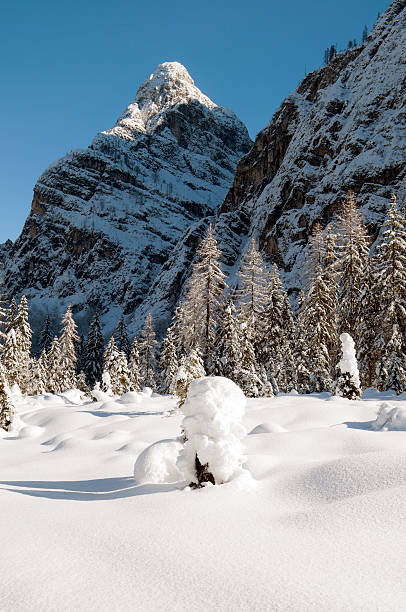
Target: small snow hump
{"x": 213, "y": 431}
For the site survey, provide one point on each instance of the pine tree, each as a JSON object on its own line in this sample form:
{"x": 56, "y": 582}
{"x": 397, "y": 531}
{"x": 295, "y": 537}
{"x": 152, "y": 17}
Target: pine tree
{"x": 134, "y": 367}
{"x": 227, "y": 345}
{"x": 121, "y": 337}
{"x": 203, "y": 299}
{"x": 120, "y": 380}
{"x": 191, "y": 367}
{"x": 354, "y": 250}
{"x": 54, "y": 383}
{"x": 390, "y": 286}
{"x": 46, "y": 336}
{"x": 68, "y": 342}
{"x": 168, "y": 362}
{"x": 146, "y": 347}
{"x": 6, "y": 406}
{"x": 93, "y": 359}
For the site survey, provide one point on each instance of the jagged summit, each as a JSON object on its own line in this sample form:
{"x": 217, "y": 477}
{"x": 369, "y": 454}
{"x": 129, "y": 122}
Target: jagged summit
{"x": 168, "y": 86}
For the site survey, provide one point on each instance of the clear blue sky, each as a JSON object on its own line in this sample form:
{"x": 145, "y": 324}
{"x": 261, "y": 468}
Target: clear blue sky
{"x": 68, "y": 69}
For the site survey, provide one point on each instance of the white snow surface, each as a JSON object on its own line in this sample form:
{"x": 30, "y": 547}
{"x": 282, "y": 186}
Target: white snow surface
{"x": 318, "y": 526}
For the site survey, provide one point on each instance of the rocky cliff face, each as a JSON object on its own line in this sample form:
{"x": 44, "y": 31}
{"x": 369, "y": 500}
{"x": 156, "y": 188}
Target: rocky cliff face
{"x": 104, "y": 219}
{"x": 343, "y": 128}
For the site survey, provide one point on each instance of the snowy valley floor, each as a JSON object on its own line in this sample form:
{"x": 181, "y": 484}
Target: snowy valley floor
{"x": 320, "y": 524}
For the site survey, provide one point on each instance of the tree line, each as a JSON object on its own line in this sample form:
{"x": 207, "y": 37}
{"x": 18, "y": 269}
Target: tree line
{"x": 248, "y": 334}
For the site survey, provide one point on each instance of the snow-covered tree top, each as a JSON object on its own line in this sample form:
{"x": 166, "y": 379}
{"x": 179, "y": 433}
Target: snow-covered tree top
{"x": 168, "y": 86}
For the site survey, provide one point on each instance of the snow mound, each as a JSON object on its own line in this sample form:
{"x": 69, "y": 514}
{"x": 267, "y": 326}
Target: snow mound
{"x": 353, "y": 476}
{"x": 131, "y": 397}
{"x": 267, "y": 428}
{"x": 158, "y": 463}
{"x": 146, "y": 392}
{"x": 30, "y": 431}
{"x": 213, "y": 410}
{"x": 390, "y": 417}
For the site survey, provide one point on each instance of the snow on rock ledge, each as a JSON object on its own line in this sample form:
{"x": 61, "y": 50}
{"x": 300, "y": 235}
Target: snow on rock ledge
{"x": 213, "y": 411}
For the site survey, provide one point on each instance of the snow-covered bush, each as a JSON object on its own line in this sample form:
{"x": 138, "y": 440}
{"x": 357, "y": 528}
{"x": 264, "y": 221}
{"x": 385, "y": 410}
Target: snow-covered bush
{"x": 390, "y": 417}
{"x": 158, "y": 463}
{"x": 213, "y": 431}
{"x": 348, "y": 383}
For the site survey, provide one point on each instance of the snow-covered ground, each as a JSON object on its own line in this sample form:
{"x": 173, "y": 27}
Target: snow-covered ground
{"x": 317, "y": 523}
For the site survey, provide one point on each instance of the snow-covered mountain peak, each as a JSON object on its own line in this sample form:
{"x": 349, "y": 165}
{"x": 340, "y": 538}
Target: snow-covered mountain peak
{"x": 168, "y": 86}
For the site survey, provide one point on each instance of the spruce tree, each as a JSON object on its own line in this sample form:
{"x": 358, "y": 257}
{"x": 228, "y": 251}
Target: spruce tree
{"x": 46, "y": 336}
{"x": 7, "y": 410}
{"x": 301, "y": 350}
{"x": 390, "y": 286}
{"x": 203, "y": 299}
{"x": 121, "y": 337}
{"x": 23, "y": 338}
{"x": 119, "y": 375}
{"x": 81, "y": 383}
{"x": 11, "y": 358}
{"x": 247, "y": 377}
{"x": 366, "y": 331}
{"x": 93, "y": 358}
{"x": 37, "y": 380}
{"x": 68, "y": 342}
{"x": 134, "y": 367}
{"x": 147, "y": 347}
{"x": 12, "y": 313}
{"x": 347, "y": 376}
{"x": 315, "y": 316}
{"x": 168, "y": 362}
{"x": 228, "y": 344}
{"x": 110, "y": 356}
{"x": 54, "y": 382}
{"x": 3, "y": 319}
{"x": 353, "y": 256}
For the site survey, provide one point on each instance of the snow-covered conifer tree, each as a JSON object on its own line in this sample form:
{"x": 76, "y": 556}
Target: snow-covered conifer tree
{"x": 227, "y": 354}
{"x": 12, "y": 313}
{"x": 252, "y": 290}
{"x": 354, "y": 249}
{"x": 134, "y": 367}
{"x": 93, "y": 359}
{"x": 120, "y": 380}
{"x": 121, "y": 337}
{"x": 180, "y": 332}
{"x": 191, "y": 367}
{"x": 247, "y": 377}
{"x": 68, "y": 342}
{"x": 366, "y": 332}
{"x": 46, "y": 336}
{"x": 204, "y": 295}
{"x": 110, "y": 356}
{"x": 7, "y": 409}
{"x": 3, "y": 319}
{"x": 37, "y": 380}
{"x": 315, "y": 316}
{"x": 11, "y": 357}
{"x": 301, "y": 350}
{"x": 54, "y": 368}
{"x": 147, "y": 347}
{"x": 23, "y": 338}
{"x": 390, "y": 288}
{"x": 81, "y": 383}
{"x": 347, "y": 383}
{"x": 168, "y": 362}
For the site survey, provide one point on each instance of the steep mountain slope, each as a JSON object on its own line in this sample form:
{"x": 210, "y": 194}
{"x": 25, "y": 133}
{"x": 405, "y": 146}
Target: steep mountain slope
{"x": 343, "y": 128}
{"x": 104, "y": 219}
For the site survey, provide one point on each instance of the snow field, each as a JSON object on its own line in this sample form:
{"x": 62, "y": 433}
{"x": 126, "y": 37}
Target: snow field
{"x": 316, "y": 523}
